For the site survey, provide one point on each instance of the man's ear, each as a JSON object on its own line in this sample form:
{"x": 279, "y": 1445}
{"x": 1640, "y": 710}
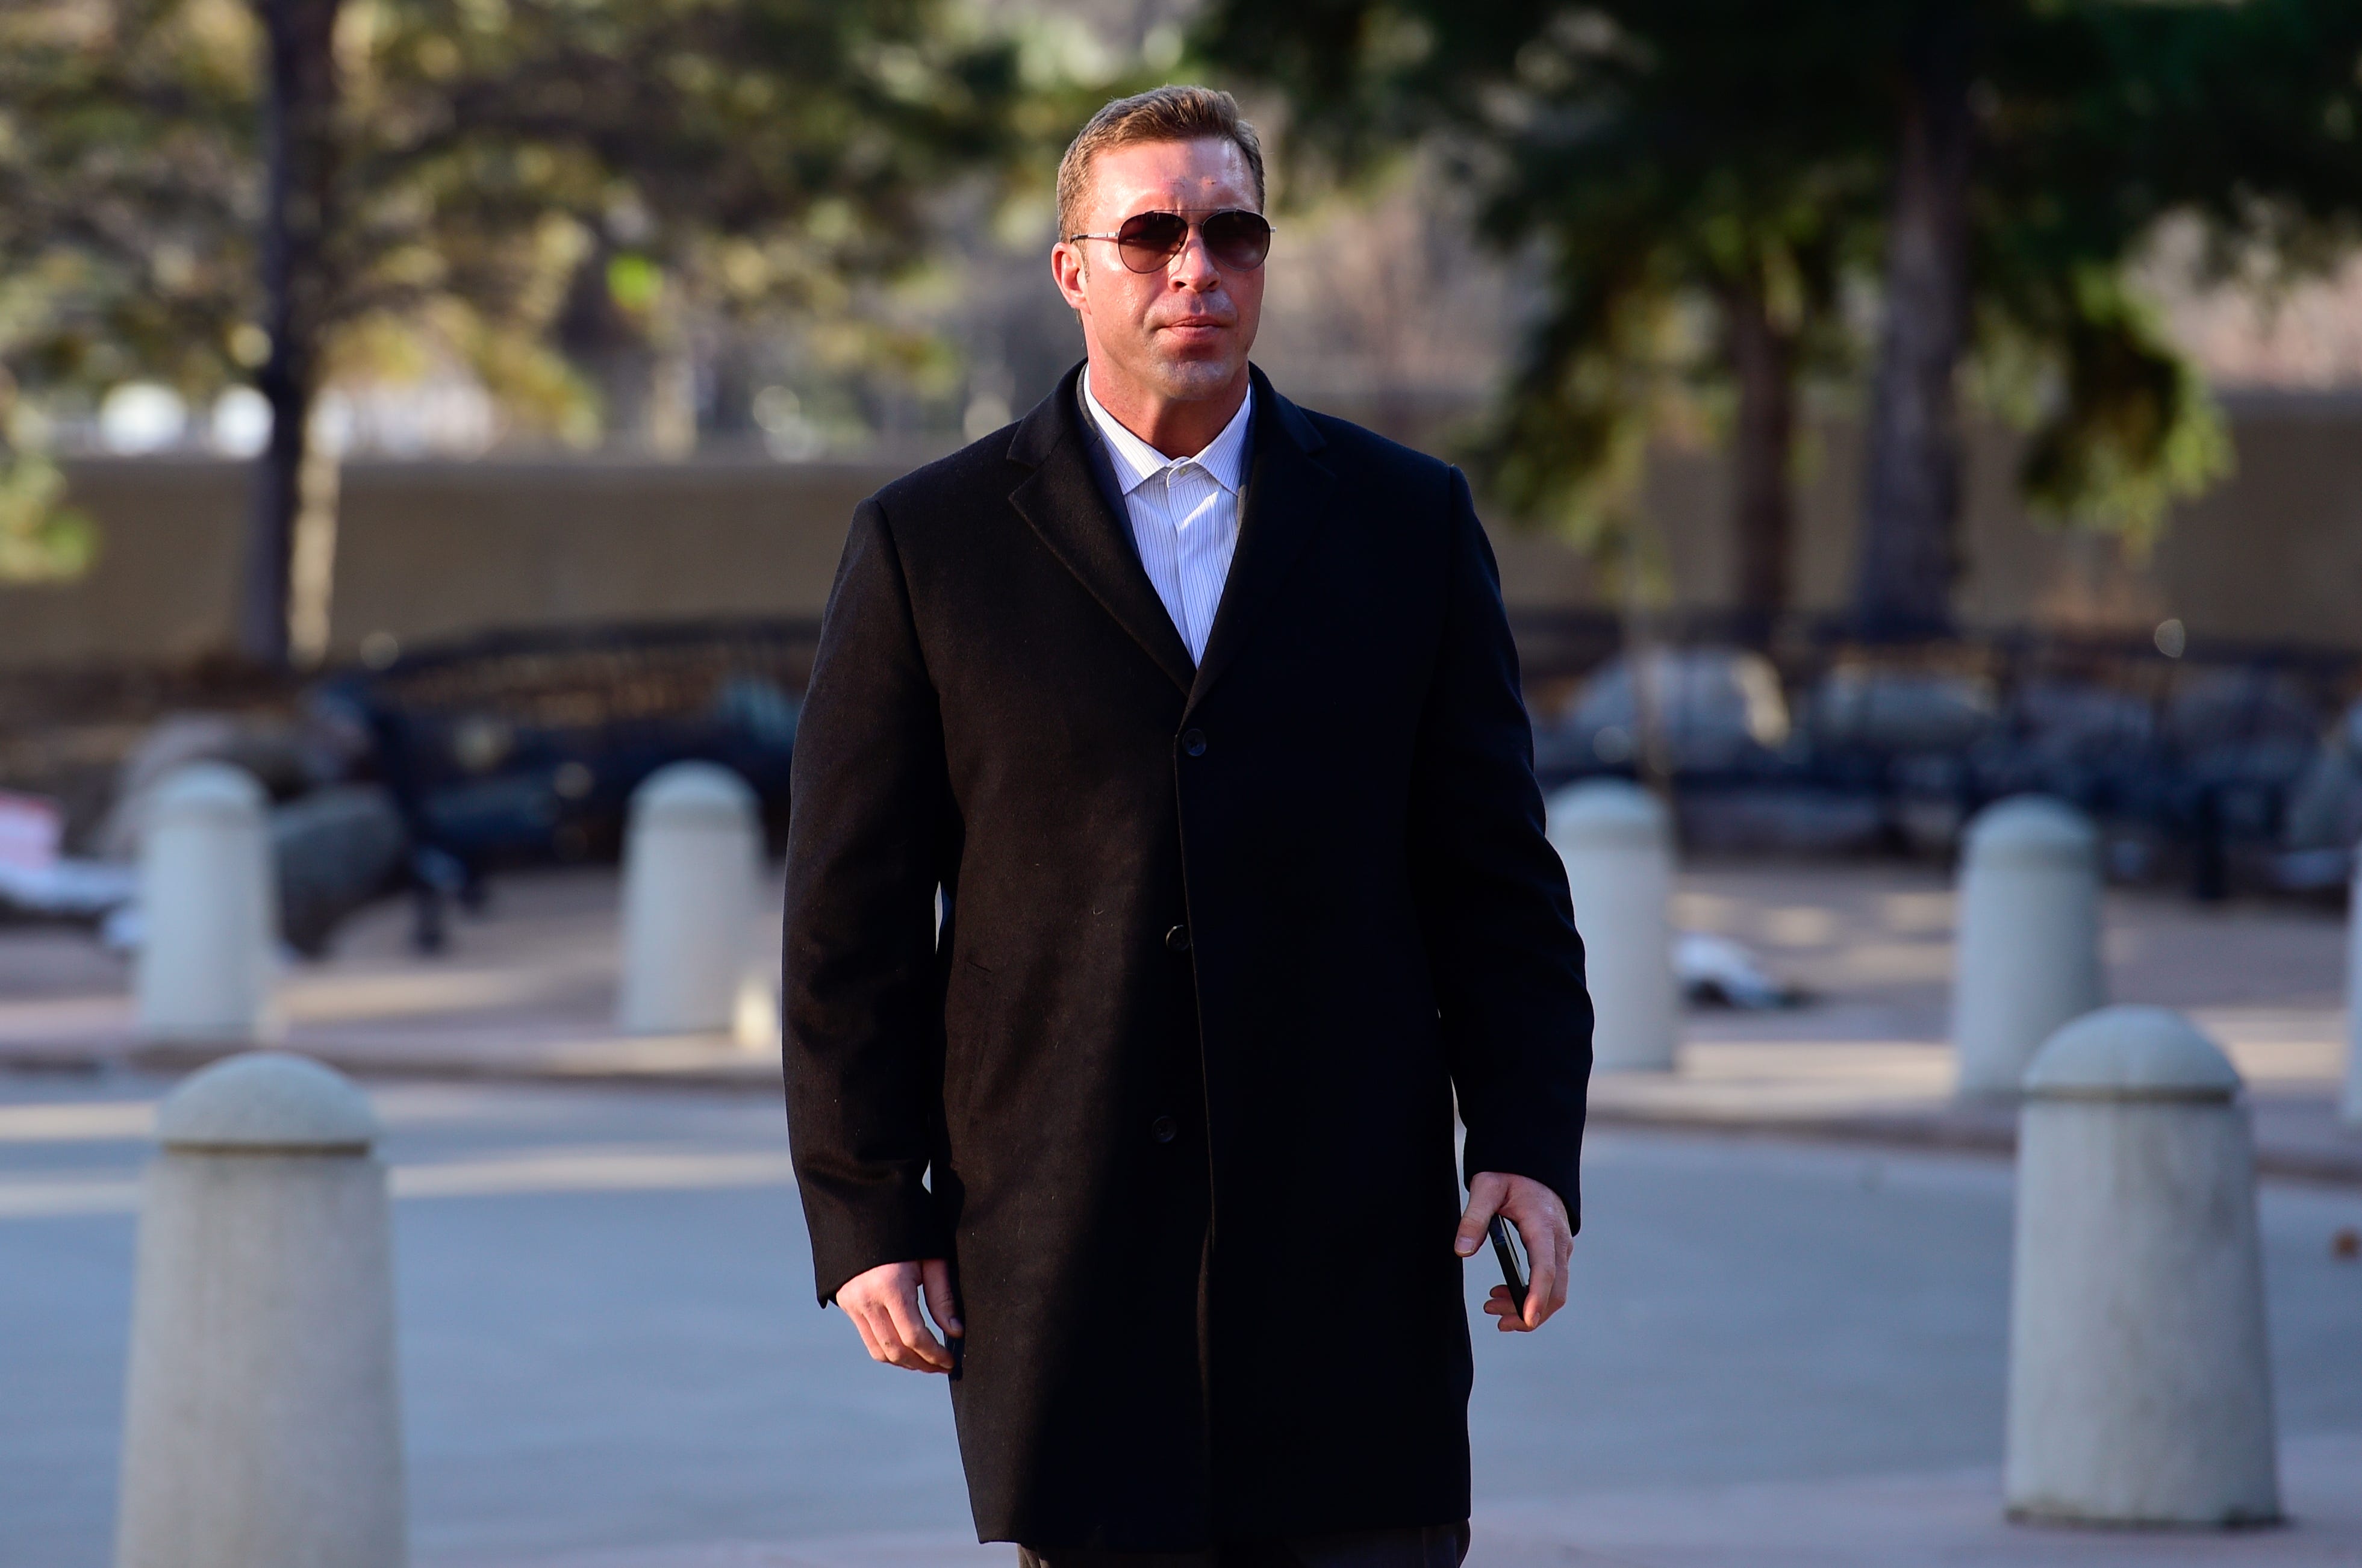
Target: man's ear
{"x": 1060, "y": 256}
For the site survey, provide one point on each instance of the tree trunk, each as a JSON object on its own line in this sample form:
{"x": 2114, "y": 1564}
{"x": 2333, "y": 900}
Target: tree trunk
{"x": 1763, "y": 361}
{"x": 1912, "y": 490}
{"x": 299, "y": 149}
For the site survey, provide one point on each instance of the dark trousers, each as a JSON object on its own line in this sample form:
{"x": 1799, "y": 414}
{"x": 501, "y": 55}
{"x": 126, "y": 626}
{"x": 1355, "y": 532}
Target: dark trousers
{"x": 1435, "y": 1545}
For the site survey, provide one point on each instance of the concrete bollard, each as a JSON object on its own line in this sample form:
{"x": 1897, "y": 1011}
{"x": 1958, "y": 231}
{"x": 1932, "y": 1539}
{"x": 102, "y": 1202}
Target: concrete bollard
{"x": 262, "y": 1424}
{"x": 2352, "y": 1103}
{"x": 1618, "y": 846}
{"x": 2139, "y": 1387}
{"x": 208, "y": 908}
{"x": 2029, "y": 937}
{"x": 690, "y": 863}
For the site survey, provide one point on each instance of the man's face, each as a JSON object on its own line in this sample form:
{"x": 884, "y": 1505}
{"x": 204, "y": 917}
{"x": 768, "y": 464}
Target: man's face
{"x": 1180, "y": 332}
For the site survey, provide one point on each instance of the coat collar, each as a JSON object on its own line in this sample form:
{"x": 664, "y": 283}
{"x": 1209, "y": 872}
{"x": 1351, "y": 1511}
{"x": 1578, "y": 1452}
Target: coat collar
{"x": 1286, "y": 502}
{"x": 1285, "y": 505}
{"x": 1063, "y": 500}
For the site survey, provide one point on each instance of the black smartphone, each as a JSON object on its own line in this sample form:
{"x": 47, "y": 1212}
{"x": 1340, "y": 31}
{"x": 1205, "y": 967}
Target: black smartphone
{"x": 1513, "y": 1264}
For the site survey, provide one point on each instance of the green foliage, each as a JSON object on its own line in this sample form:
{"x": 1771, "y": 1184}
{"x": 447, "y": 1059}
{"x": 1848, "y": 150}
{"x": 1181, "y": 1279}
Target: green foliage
{"x": 1664, "y": 161}
{"x": 2123, "y": 424}
{"x": 1671, "y": 187}
{"x": 42, "y": 539}
{"x": 1568, "y": 444}
{"x": 763, "y": 144}
{"x": 122, "y": 130}
{"x": 1669, "y": 159}
{"x": 748, "y": 157}
{"x": 2110, "y": 117}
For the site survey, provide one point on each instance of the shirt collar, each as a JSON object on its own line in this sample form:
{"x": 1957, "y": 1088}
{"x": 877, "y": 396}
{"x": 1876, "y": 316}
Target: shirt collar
{"x": 1136, "y": 461}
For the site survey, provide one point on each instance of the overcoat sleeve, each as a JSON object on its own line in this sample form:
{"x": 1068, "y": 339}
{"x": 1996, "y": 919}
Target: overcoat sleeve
{"x": 861, "y": 1014}
{"x": 1498, "y": 925}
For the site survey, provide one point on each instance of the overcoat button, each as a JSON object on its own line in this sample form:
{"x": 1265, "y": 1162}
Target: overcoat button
{"x": 1165, "y": 1129}
{"x": 1193, "y": 742}
{"x": 1178, "y": 939}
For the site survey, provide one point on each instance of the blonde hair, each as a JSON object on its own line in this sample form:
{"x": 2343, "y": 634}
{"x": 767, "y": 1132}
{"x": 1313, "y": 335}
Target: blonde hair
{"x": 1162, "y": 114}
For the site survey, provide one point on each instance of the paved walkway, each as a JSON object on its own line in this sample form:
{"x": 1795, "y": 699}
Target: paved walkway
{"x": 1775, "y": 1352}
{"x": 526, "y": 993}
{"x": 1869, "y": 1057}
{"x": 1952, "y": 1519}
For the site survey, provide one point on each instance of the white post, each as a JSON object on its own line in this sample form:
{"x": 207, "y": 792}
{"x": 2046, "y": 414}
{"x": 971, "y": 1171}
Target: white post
{"x": 2029, "y": 937}
{"x": 690, "y": 861}
{"x": 208, "y": 911}
{"x": 2139, "y": 1387}
{"x": 1618, "y": 846}
{"x": 262, "y": 1425}
{"x": 2352, "y": 1106}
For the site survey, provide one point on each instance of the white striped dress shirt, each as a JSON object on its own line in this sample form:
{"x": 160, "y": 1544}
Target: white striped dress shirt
{"x": 1183, "y": 513}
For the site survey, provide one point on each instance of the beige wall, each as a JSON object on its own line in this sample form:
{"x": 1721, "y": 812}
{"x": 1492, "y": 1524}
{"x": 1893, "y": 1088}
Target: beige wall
{"x": 2272, "y": 554}
{"x": 434, "y": 549}
{"x": 431, "y": 550}
{"x": 428, "y": 550}
{"x": 165, "y": 576}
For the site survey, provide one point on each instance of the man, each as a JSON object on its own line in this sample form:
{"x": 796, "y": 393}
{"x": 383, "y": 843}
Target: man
{"x": 1166, "y": 854}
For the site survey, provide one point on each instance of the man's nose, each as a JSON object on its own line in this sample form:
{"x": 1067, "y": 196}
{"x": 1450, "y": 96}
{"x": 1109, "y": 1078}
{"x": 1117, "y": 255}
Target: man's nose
{"x": 1194, "y": 267}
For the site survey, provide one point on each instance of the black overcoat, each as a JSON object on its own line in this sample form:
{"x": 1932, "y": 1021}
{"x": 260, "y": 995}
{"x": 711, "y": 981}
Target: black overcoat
{"x": 1174, "y": 1084}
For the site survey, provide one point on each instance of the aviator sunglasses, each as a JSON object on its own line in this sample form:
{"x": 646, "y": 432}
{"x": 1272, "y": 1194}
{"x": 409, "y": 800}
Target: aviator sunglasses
{"x": 1235, "y": 237}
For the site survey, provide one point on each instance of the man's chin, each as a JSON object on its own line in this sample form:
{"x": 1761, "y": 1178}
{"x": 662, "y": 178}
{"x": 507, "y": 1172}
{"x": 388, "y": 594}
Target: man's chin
{"x": 1186, "y": 381}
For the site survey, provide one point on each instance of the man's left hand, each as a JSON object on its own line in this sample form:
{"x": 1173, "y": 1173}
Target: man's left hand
{"x": 1540, "y": 1219}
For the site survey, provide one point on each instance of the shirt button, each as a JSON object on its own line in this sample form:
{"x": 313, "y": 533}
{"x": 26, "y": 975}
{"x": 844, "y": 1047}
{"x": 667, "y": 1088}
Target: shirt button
{"x": 1193, "y": 742}
{"x": 1165, "y": 1129}
{"x": 1178, "y": 939}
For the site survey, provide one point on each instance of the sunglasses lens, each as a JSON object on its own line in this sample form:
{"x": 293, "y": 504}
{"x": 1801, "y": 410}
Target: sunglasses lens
{"x": 1237, "y": 239}
{"x": 1149, "y": 240}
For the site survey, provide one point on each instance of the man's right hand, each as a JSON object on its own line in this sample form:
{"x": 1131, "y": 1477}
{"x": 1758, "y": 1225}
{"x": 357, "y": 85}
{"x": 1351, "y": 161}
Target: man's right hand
{"x": 884, "y": 1306}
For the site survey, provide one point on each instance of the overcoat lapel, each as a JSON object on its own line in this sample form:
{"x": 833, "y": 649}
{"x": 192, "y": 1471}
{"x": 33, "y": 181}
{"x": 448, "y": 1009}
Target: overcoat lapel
{"x": 1061, "y": 499}
{"x": 1285, "y": 503}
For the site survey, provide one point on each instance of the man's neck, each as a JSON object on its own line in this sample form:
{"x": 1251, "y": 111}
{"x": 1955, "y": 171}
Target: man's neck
{"x": 1177, "y": 427}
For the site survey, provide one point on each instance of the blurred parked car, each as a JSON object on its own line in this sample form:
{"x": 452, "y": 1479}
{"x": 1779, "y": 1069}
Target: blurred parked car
{"x": 1713, "y": 708}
